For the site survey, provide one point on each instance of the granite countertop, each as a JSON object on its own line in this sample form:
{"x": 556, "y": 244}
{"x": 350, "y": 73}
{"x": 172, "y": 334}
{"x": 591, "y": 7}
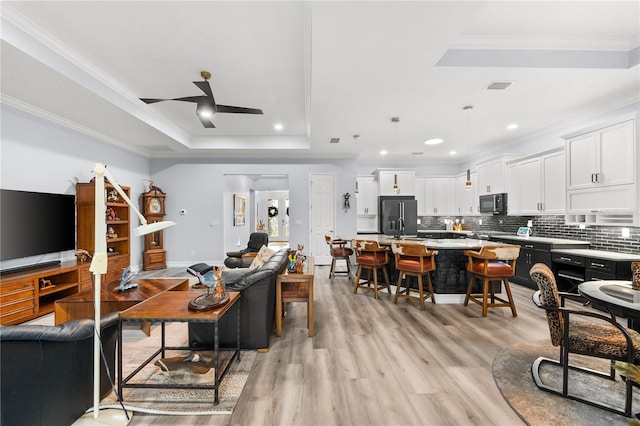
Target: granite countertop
{"x": 541, "y": 239}
{"x": 439, "y": 243}
{"x": 600, "y": 254}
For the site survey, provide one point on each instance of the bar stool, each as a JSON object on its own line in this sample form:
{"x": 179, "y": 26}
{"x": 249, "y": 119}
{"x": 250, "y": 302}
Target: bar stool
{"x": 490, "y": 264}
{"x": 372, "y": 257}
{"x": 414, "y": 260}
{"x": 338, "y": 251}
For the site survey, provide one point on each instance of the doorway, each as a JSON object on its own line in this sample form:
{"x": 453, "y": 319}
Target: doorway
{"x": 323, "y": 215}
{"x": 277, "y": 213}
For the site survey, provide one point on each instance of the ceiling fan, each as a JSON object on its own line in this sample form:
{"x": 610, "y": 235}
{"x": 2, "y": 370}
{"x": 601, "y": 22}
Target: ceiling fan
{"x": 206, "y": 105}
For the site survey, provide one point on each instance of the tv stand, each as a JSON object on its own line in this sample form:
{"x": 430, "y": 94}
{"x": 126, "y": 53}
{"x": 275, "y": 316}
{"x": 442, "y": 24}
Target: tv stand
{"x": 29, "y": 267}
{"x": 25, "y": 295}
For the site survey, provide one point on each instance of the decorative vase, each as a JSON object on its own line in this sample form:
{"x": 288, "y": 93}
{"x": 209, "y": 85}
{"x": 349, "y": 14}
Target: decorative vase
{"x": 635, "y": 273}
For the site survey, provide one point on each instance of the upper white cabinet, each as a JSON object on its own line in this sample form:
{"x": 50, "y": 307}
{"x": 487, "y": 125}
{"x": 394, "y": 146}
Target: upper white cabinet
{"x": 402, "y": 179}
{"x": 367, "y": 197}
{"x": 435, "y": 196}
{"x": 602, "y": 173}
{"x": 492, "y": 176}
{"x": 602, "y": 157}
{"x": 466, "y": 200}
{"x": 536, "y": 184}
{"x": 367, "y": 204}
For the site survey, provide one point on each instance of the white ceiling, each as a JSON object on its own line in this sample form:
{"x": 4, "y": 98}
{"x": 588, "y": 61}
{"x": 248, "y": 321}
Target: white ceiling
{"x": 323, "y": 69}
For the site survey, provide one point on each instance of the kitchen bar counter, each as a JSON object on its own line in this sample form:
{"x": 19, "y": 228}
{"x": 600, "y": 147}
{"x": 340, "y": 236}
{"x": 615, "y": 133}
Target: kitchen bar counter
{"x": 450, "y": 277}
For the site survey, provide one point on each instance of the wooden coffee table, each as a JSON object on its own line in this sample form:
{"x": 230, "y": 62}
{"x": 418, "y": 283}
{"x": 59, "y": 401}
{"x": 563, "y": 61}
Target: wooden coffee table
{"x": 80, "y": 305}
{"x": 172, "y": 306}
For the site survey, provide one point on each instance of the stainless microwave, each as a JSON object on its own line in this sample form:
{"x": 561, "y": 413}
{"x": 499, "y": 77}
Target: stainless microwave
{"x": 493, "y": 203}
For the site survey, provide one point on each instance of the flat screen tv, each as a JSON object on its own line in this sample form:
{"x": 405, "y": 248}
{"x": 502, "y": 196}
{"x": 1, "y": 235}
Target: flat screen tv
{"x": 35, "y": 223}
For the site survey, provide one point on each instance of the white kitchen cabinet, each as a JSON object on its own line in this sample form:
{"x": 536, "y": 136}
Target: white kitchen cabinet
{"x": 536, "y": 184}
{"x": 367, "y": 204}
{"x": 403, "y": 178}
{"x": 421, "y": 198}
{"x": 436, "y": 196}
{"x": 554, "y": 187}
{"x": 367, "y": 197}
{"x": 602, "y": 173}
{"x": 492, "y": 176}
{"x": 466, "y": 200}
{"x": 513, "y": 191}
{"x": 602, "y": 157}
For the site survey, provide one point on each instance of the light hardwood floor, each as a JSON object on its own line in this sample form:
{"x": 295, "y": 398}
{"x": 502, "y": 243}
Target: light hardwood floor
{"x": 375, "y": 363}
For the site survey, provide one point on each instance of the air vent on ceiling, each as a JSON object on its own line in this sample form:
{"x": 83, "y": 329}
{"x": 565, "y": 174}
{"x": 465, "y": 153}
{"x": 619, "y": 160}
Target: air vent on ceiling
{"x": 500, "y": 85}
{"x": 334, "y": 140}
{"x": 417, "y": 153}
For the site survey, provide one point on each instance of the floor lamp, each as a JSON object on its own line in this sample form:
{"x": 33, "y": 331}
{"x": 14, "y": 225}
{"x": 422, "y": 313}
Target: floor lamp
{"x": 98, "y": 268}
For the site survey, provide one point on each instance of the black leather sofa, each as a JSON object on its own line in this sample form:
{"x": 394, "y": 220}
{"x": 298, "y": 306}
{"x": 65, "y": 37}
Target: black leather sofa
{"x": 244, "y": 257}
{"x": 46, "y": 372}
{"x": 257, "y": 310}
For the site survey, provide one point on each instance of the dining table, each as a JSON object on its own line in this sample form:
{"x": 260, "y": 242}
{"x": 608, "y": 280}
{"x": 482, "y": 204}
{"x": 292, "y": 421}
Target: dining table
{"x": 618, "y": 296}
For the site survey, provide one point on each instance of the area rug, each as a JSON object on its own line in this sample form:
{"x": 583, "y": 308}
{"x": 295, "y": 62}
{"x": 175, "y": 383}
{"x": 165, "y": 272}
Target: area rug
{"x": 178, "y": 401}
{"x": 512, "y": 374}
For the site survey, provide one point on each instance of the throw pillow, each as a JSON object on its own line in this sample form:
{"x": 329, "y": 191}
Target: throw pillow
{"x": 263, "y": 255}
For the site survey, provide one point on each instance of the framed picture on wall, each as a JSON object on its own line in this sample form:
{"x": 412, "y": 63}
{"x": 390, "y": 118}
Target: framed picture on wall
{"x": 239, "y": 206}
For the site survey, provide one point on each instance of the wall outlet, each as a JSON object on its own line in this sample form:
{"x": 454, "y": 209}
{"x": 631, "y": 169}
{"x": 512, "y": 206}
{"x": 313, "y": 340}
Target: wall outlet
{"x": 193, "y": 252}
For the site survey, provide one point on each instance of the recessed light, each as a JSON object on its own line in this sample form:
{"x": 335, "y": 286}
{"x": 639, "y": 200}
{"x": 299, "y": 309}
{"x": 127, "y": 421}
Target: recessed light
{"x": 433, "y": 141}
{"x": 512, "y": 126}
{"x": 383, "y": 152}
{"x": 278, "y": 126}
{"x": 452, "y": 152}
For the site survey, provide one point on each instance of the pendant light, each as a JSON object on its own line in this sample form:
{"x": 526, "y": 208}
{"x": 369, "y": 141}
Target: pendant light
{"x": 468, "y": 108}
{"x": 395, "y": 120}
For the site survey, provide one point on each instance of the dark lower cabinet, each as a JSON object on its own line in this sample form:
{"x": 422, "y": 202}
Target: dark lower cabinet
{"x": 532, "y": 251}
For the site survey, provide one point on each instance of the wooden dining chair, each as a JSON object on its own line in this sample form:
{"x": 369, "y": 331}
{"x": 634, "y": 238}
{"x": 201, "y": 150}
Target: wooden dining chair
{"x": 414, "y": 260}
{"x": 372, "y": 257}
{"x": 491, "y": 264}
{"x": 339, "y": 251}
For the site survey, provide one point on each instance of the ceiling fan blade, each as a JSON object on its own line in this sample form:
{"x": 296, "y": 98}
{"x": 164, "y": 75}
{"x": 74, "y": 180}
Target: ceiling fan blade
{"x": 238, "y": 110}
{"x": 205, "y": 87}
{"x": 191, "y": 98}
{"x": 152, "y": 100}
{"x": 206, "y": 122}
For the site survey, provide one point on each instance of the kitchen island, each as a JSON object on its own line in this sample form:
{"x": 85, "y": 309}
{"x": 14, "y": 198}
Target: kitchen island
{"x": 450, "y": 277}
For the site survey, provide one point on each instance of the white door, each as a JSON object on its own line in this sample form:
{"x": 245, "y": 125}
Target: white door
{"x": 277, "y": 215}
{"x": 322, "y": 214}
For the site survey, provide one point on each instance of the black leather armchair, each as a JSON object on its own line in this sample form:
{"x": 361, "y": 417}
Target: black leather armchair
{"x": 244, "y": 257}
{"x": 46, "y": 372}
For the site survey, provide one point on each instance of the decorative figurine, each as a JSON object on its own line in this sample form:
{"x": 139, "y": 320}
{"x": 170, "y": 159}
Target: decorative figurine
{"x": 127, "y": 276}
{"x": 111, "y": 233}
{"x": 293, "y": 259}
{"x": 111, "y": 214}
{"x": 346, "y": 204}
{"x": 113, "y": 196}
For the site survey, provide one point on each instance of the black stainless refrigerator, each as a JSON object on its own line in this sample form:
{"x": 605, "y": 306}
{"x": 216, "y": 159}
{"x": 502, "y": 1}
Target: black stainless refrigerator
{"x": 398, "y": 215}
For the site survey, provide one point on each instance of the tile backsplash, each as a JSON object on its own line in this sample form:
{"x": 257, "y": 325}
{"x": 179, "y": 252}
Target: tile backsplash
{"x": 601, "y": 237}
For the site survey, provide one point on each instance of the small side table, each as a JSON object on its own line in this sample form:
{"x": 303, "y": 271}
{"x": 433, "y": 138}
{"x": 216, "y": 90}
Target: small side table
{"x": 292, "y": 287}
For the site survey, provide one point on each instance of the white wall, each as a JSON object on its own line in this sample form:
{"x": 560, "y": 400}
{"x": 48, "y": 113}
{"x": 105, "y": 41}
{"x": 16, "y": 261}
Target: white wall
{"x": 198, "y": 186}
{"x": 36, "y": 155}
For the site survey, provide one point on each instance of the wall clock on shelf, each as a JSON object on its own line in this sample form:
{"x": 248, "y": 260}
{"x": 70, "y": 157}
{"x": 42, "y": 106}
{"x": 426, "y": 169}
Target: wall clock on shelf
{"x": 153, "y": 209}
